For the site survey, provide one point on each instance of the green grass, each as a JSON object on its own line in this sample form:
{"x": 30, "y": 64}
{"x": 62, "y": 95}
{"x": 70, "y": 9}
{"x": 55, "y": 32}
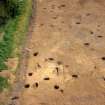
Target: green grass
{"x": 3, "y": 83}
{"x": 6, "y": 45}
{"x": 14, "y": 34}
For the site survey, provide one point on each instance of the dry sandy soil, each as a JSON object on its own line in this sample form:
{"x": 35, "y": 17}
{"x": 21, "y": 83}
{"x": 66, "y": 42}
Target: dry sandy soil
{"x": 66, "y": 64}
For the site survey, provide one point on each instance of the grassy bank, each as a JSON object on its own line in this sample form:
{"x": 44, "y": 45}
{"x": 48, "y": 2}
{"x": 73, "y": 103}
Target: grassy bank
{"x": 14, "y": 33}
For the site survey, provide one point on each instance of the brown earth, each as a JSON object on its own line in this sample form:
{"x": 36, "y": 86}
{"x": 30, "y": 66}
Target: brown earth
{"x": 66, "y": 64}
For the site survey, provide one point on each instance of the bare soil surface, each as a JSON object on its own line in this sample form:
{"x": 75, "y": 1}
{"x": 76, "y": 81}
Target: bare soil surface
{"x": 66, "y": 55}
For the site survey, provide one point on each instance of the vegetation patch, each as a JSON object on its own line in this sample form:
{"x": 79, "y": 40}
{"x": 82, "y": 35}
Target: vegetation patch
{"x": 14, "y": 31}
{"x": 3, "y": 83}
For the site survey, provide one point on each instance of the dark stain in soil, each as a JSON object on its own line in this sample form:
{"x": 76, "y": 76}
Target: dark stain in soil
{"x": 56, "y": 87}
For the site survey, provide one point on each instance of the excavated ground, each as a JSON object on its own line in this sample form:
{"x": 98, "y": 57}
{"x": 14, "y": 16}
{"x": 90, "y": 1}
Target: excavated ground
{"x": 66, "y": 64}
